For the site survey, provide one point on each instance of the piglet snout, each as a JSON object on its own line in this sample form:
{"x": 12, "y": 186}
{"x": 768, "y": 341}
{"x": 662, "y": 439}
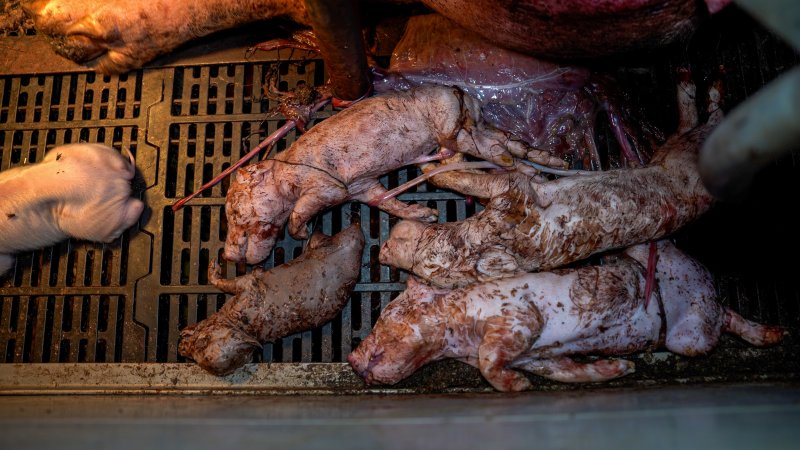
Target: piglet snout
{"x": 364, "y": 360}
{"x": 233, "y": 252}
{"x": 362, "y": 364}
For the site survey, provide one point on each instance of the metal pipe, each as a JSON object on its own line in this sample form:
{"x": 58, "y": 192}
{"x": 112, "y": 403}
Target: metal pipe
{"x": 765, "y": 126}
{"x": 759, "y": 130}
{"x": 338, "y": 28}
{"x": 780, "y": 16}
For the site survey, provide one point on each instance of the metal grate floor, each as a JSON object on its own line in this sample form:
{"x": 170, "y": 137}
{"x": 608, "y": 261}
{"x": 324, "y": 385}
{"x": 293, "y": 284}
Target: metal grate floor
{"x": 127, "y": 301}
{"x": 188, "y": 119}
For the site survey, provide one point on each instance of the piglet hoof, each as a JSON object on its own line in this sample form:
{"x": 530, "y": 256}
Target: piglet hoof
{"x": 521, "y": 384}
{"x": 546, "y": 159}
{"x": 299, "y": 232}
{"x": 214, "y": 271}
{"x": 215, "y": 277}
{"x": 514, "y": 383}
{"x": 624, "y": 367}
{"x": 419, "y": 212}
{"x": 608, "y": 369}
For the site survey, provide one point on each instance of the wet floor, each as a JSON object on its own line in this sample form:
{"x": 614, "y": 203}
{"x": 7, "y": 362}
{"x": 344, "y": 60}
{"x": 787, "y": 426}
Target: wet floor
{"x": 704, "y": 417}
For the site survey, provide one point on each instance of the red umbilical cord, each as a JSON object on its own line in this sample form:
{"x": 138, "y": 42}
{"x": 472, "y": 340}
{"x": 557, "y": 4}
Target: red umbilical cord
{"x": 444, "y": 168}
{"x": 269, "y": 141}
{"x": 651, "y": 274}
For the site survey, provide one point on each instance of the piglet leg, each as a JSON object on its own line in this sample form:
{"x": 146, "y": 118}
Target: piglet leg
{"x": 504, "y": 150}
{"x": 754, "y": 333}
{"x": 566, "y": 370}
{"x": 374, "y": 197}
{"x": 231, "y": 285}
{"x": 500, "y": 346}
{"x": 310, "y": 203}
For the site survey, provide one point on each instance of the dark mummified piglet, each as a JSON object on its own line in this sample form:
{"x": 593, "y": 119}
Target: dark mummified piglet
{"x": 299, "y": 295}
{"x": 536, "y": 322}
{"x": 341, "y": 158}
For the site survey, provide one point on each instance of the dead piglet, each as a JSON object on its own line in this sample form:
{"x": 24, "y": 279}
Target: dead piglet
{"x": 300, "y": 295}
{"x": 539, "y": 226}
{"x": 695, "y": 319}
{"x": 342, "y": 158}
{"x": 114, "y": 36}
{"x": 492, "y": 325}
{"x": 78, "y": 190}
{"x": 528, "y": 225}
{"x": 537, "y": 322}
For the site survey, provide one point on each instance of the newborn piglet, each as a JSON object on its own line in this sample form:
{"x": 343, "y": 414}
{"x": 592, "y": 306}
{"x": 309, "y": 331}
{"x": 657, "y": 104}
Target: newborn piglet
{"x": 528, "y": 225}
{"x": 341, "y": 159}
{"x": 535, "y": 322}
{"x": 297, "y": 296}
{"x": 78, "y": 190}
{"x": 539, "y": 226}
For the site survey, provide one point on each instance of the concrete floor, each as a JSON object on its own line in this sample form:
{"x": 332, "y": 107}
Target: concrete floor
{"x": 704, "y": 417}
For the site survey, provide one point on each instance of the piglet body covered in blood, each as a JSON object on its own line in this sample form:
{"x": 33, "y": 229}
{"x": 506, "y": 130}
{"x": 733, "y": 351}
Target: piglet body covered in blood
{"x": 535, "y": 322}
{"x": 297, "y": 296}
{"x": 77, "y": 190}
{"x": 529, "y": 226}
{"x": 341, "y": 158}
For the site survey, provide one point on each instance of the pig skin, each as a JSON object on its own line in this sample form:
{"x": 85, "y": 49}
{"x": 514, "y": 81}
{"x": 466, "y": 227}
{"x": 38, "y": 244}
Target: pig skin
{"x": 578, "y": 29}
{"x": 77, "y": 190}
{"x": 341, "y": 158}
{"x": 114, "y": 36}
{"x": 529, "y": 226}
{"x": 302, "y": 294}
{"x": 535, "y": 322}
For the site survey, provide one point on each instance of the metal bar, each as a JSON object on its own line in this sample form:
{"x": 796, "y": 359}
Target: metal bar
{"x": 758, "y": 131}
{"x": 177, "y": 378}
{"x": 781, "y": 16}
